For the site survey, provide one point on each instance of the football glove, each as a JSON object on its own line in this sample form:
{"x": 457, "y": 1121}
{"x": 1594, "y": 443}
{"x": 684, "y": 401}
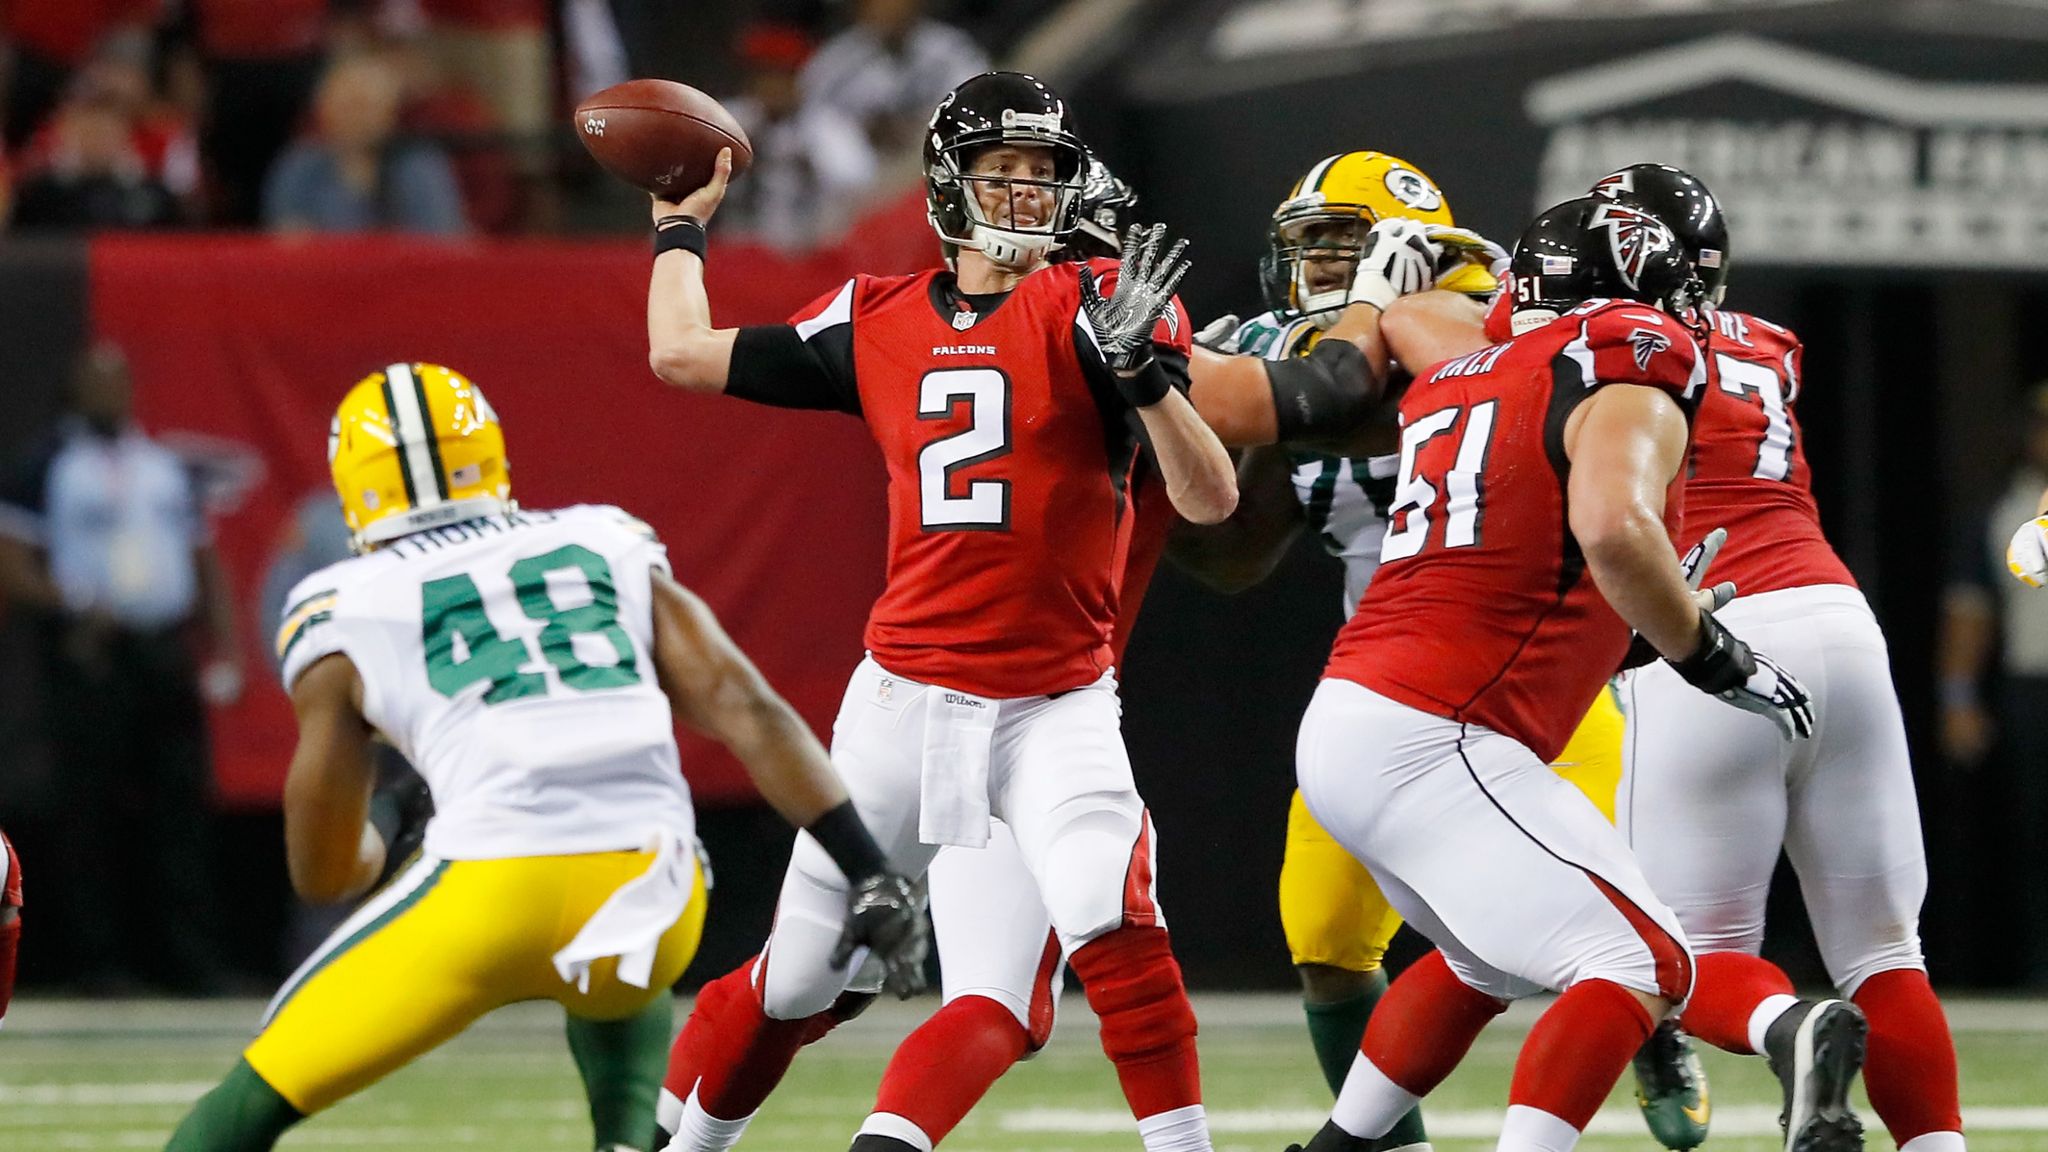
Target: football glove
{"x": 1694, "y": 565}
{"x": 1398, "y": 258}
{"x": 885, "y": 916}
{"x": 1724, "y": 666}
{"x": 1465, "y": 245}
{"x": 2027, "y": 555}
{"x": 1123, "y": 320}
{"x": 1216, "y": 334}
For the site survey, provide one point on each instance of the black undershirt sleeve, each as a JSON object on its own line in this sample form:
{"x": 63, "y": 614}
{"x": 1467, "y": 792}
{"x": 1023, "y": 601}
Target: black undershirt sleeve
{"x": 773, "y": 364}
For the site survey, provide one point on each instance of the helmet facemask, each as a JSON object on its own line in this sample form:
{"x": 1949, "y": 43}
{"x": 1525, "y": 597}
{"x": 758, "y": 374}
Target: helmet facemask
{"x": 956, "y": 207}
{"x": 1314, "y": 253}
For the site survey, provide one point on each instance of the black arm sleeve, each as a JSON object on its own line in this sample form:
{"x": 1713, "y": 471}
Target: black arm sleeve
{"x": 1328, "y": 392}
{"x": 773, "y": 364}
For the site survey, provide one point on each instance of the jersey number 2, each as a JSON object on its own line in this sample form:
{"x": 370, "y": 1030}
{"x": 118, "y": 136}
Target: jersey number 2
{"x": 463, "y": 648}
{"x": 1415, "y": 493}
{"x": 986, "y": 505}
{"x": 1774, "y": 454}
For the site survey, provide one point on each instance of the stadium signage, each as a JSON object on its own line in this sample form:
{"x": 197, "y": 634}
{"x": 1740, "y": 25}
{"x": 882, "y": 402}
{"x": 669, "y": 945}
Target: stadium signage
{"x": 1269, "y": 27}
{"x": 1817, "y": 160}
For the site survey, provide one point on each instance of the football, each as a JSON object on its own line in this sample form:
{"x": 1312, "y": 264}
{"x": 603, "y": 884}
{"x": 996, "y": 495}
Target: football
{"x": 660, "y": 136}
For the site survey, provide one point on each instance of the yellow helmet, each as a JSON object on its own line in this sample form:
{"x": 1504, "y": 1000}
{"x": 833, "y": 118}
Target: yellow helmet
{"x": 412, "y": 447}
{"x": 1329, "y": 211}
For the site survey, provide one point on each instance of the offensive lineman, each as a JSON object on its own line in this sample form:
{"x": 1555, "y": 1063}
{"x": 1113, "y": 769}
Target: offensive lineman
{"x": 527, "y": 663}
{"x": 1525, "y": 469}
{"x": 1337, "y": 923}
{"x": 988, "y": 694}
{"x": 1708, "y": 799}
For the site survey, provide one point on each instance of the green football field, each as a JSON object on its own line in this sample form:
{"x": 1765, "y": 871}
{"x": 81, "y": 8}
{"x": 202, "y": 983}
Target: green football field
{"x": 112, "y": 1076}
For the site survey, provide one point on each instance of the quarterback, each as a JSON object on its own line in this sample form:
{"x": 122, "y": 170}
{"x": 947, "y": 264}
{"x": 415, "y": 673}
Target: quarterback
{"x": 530, "y": 663}
{"x": 1009, "y": 398}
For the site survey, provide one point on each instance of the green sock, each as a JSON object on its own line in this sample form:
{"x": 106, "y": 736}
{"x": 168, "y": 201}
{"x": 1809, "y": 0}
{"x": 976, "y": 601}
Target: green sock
{"x": 1335, "y": 1030}
{"x": 241, "y": 1114}
{"x": 622, "y": 1063}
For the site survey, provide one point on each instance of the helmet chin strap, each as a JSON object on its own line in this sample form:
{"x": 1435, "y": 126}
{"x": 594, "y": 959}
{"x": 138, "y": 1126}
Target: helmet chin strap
{"x": 1010, "y": 250}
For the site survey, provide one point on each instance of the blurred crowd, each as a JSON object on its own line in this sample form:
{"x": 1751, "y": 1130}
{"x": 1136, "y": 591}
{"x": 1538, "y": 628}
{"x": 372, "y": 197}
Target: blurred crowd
{"x": 436, "y": 116}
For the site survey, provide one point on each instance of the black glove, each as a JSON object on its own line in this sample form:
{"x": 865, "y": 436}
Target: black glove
{"x": 399, "y": 812}
{"x": 1724, "y": 666}
{"x": 885, "y": 916}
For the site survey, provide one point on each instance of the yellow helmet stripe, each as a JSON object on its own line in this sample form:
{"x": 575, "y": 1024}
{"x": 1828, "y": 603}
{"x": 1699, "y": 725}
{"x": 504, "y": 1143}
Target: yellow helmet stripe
{"x": 407, "y": 403}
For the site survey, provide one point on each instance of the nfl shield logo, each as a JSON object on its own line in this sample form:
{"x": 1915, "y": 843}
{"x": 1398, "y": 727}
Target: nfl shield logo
{"x": 962, "y": 321}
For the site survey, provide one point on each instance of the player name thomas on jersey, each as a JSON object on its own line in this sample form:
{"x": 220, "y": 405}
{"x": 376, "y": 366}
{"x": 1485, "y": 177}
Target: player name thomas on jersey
{"x": 1012, "y": 463}
{"x": 510, "y": 659}
{"x": 1482, "y": 609}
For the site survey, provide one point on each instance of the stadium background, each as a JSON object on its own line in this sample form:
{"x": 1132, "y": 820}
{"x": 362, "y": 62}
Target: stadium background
{"x": 1891, "y": 156}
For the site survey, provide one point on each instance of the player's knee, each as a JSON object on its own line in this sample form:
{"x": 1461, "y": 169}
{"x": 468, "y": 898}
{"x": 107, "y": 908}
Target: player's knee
{"x": 1325, "y": 984}
{"x": 1887, "y": 956}
{"x": 1134, "y": 985}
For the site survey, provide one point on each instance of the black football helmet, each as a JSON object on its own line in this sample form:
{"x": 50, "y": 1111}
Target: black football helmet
{"x": 1108, "y": 208}
{"x": 1677, "y": 197}
{"x": 1592, "y": 247}
{"x": 986, "y": 110}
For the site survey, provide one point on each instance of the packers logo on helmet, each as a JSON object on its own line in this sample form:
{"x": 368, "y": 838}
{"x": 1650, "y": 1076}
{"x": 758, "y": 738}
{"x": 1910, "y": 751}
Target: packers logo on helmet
{"x": 1319, "y": 229}
{"x": 412, "y": 447}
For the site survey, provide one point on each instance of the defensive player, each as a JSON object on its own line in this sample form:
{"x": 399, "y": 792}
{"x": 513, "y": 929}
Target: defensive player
{"x": 527, "y": 663}
{"x": 10, "y": 920}
{"x": 1008, "y": 398}
{"x": 1532, "y": 528}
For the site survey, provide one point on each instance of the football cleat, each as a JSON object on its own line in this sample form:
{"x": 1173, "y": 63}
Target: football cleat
{"x": 1671, "y": 1089}
{"x": 1816, "y": 1050}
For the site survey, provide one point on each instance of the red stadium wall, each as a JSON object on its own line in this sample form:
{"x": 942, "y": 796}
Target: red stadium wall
{"x": 775, "y": 518}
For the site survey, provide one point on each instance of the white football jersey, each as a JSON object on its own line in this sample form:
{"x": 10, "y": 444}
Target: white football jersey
{"x": 510, "y": 658}
{"x": 1344, "y": 498}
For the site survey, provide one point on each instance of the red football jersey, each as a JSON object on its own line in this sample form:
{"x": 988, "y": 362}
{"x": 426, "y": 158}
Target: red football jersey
{"x": 1010, "y": 455}
{"x": 1749, "y": 472}
{"x": 1482, "y": 609}
{"x": 1152, "y": 518}
{"x": 10, "y": 874}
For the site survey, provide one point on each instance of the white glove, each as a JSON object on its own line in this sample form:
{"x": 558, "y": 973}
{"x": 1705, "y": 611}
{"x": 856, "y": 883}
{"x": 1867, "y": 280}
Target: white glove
{"x": 1776, "y": 695}
{"x": 1216, "y": 334}
{"x": 1695, "y": 563}
{"x": 2027, "y": 555}
{"x": 1398, "y": 258}
{"x": 1457, "y": 243}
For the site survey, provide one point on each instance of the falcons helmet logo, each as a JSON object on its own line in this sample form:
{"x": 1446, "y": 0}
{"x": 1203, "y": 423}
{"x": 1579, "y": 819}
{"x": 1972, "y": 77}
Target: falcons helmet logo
{"x": 1632, "y": 237}
{"x": 1646, "y": 343}
{"x": 1614, "y": 184}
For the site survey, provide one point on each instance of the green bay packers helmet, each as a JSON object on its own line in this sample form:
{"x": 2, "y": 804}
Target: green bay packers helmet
{"x": 1324, "y": 219}
{"x": 415, "y": 446}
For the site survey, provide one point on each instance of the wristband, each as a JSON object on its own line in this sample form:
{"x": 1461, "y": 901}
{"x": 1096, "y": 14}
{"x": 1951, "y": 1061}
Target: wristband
{"x": 1721, "y": 663}
{"x": 1147, "y": 386}
{"x": 679, "y": 234}
{"x": 847, "y": 841}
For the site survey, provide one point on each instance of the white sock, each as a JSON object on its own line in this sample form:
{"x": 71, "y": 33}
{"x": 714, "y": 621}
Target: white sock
{"x": 700, "y": 1131}
{"x": 1934, "y": 1142}
{"x": 1529, "y": 1129}
{"x": 1179, "y": 1130}
{"x": 1767, "y": 1014}
{"x": 1370, "y": 1103}
{"x": 895, "y": 1128}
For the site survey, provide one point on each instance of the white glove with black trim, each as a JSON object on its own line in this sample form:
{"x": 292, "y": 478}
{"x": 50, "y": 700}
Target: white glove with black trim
{"x": 1398, "y": 258}
{"x": 2027, "y": 555}
{"x": 1724, "y": 666}
{"x": 1123, "y": 320}
{"x": 1694, "y": 565}
{"x": 1216, "y": 334}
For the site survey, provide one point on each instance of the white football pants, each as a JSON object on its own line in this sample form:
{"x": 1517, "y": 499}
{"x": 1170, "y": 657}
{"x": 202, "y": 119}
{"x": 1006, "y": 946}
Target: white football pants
{"x": 1508, "y": 869}
{"x": 1057, "y": 775}
{"x": 1710, "y": 793}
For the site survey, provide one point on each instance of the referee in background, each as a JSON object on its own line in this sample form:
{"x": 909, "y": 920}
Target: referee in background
{"x": 104, "y": 543}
